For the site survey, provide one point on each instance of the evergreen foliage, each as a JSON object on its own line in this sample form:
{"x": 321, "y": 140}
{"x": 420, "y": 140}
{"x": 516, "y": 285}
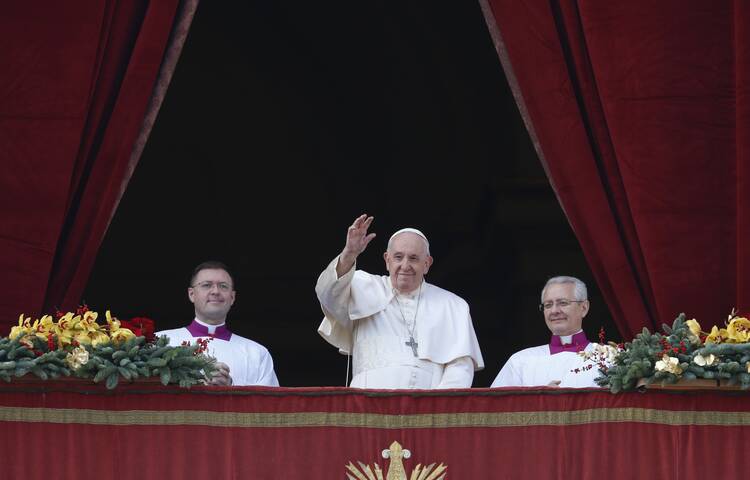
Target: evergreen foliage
{"x": 680, "y": 353}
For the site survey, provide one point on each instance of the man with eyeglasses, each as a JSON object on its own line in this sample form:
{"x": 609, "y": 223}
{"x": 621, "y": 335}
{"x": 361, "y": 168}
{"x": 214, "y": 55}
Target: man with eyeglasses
{"x": 564, "y": 304}
{"x": 240, "y": 361}
{"x": 401, "y": 331}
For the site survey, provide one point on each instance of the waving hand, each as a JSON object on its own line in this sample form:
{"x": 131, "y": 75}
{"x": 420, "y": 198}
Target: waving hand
{"x": 357, "y": 240}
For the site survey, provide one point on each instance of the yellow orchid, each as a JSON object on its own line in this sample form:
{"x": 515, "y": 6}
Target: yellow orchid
{"x": 23, "y": 327}
{"x": 116, "y": 333}
{"x": 90, "y": 316}
{"x": 668, "y": 364}
{"x": 717, "y": 335}
{"x": 122, "y": 335}
{"x": 82, "y": 329}
{"x": 65, "y": 322}
{"x": 695, "y": 331}
{"x": 42, "y": 328}
{"x": 694, "y": 326}
{"x": 71, "y": 329}
{"x": 86, "y": 323}
{"x": 738, "y": 330}
{"x": 46, "y": 324}
{"x": 94, "y": 338}
{"x": 99, "y": 338}
{"x": 64, "y": 338}
{"x": 68, "y": 329}
{"x": 113, "y": 322}
{"x": 81, "y": 339}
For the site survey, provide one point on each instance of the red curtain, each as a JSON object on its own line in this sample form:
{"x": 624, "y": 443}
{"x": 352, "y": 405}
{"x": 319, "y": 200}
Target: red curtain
{"x": 640, "y": 114}
{"x": 67, "y": 430}
{"x": 80, "y": 88}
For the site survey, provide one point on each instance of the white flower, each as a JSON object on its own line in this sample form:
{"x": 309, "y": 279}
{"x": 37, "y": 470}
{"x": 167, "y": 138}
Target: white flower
{"x": 77, "y": 358}
{"x": 668, "y": 364}
{"x": 706, "y": 361}
{"x": 602, "y": 356}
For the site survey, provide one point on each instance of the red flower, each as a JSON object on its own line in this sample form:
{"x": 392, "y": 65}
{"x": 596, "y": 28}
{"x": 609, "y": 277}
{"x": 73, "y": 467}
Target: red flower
{"x": 141, "y": 327}
{"x": 202, "y": 345}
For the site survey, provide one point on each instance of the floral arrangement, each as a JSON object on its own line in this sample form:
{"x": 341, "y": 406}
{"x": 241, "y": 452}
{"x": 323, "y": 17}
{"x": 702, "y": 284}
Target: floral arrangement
{"x": 75, "y": 344}
{"x": 682, "y": 351}
{"x": 602, "y": 355}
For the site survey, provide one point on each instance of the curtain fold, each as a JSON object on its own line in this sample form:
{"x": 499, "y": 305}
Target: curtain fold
{"x": 742, "y": 92}
{"x": 639, "y": 116}
{"x": 82, "y": 84}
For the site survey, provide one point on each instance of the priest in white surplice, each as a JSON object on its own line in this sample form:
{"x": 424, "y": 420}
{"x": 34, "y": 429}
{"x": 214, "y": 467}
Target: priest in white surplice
{"x": 240, "y": 361}
{"x": 557, "y": 364}
{"x": 401, "y": 331}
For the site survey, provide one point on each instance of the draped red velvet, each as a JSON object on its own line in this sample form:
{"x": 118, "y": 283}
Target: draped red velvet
{"x": 78, "y": 80}
{"x": 62, "y": 430}
{"x": 640, "y": 114}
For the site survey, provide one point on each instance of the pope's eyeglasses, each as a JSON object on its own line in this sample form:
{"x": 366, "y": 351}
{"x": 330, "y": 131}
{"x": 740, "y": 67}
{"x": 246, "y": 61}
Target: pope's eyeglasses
{"x": 223, "y": 287}
{"x": 561, "y": 303}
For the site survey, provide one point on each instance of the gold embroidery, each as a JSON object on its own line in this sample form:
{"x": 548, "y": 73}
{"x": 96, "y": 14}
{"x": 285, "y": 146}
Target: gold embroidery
{"x": 396, "y": 469}
{"x": 373, "y": 420}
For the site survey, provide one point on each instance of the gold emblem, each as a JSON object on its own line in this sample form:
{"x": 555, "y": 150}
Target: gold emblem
{"x": 396, "y": 469}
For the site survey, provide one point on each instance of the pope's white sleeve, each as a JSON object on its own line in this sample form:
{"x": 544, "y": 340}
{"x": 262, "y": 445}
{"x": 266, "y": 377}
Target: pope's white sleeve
{"x": 458, "y": 373}
{"x": 334, "y": 293}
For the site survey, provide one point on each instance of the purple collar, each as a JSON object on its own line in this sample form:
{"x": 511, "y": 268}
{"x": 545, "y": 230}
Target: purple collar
{"x": 198, "y": 330}
{"x": 578, "y": 343}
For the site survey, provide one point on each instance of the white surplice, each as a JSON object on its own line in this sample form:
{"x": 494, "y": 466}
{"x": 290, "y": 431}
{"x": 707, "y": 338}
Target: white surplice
{"x": 365, "y": 317}
{"x": 249, "y": 362}
{"x": 535, "y": 366}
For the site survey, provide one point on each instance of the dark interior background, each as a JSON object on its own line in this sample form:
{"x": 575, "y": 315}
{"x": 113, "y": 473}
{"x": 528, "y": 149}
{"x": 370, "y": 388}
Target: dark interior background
{"x": 286, "y": 120}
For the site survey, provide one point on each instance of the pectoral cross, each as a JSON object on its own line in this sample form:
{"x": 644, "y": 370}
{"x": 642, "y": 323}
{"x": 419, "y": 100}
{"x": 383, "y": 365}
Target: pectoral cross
{"x": 411, "y": 343}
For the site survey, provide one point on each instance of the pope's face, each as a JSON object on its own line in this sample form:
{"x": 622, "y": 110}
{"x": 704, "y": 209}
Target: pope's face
{"x": 212, "y": 294}
{"x": 407, "y": 261}
{"x": 563, "y": 320}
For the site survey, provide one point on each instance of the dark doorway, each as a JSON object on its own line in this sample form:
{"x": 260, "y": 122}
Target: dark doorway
{"x": 284, "y": 121}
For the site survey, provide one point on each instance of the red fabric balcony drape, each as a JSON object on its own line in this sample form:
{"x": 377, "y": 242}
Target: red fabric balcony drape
{"x": 640, "y": 114}
{"x": 80, "y": 88}
{"x": 145, "y": 432}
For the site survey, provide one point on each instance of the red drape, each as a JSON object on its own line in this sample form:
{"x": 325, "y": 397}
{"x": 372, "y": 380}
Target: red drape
{"x": 54, "y": 430}
{"x": 640, "y": 114}
{"x": 81, "y": 84}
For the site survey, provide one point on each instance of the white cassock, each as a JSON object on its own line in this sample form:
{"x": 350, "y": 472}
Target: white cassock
{"x": 535, "y": 366}
{"x": 365, "y": 317}
{"x": 249, "y": 362}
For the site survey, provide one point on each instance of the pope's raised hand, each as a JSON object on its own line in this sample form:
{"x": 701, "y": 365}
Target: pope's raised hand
{"x": 357, "y": 240}
{"x": 357, "y": 237}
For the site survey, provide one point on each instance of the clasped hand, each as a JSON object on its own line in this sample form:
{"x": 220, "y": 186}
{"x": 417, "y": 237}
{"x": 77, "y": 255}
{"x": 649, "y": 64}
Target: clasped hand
{"x": 220, "y": 376}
